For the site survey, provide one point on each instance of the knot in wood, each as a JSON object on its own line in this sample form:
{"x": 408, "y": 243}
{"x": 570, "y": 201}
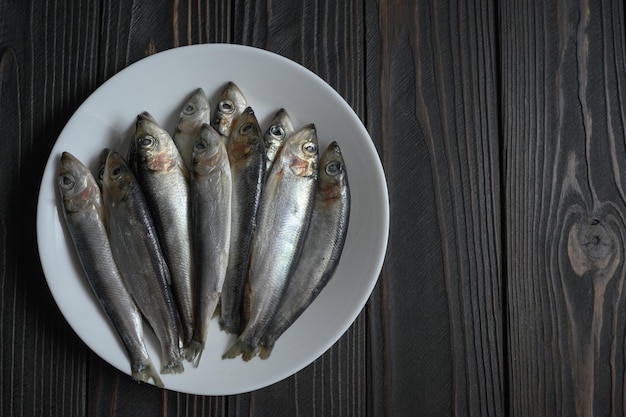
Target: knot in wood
{"x": 590, "y": 246}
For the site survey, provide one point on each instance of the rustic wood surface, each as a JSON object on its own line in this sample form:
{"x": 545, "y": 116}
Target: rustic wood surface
{"x": 563, "y": 78}
{"x": 501, "y": 128}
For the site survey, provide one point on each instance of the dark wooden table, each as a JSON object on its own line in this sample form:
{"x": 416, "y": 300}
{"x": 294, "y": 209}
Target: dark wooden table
{"x": 501, "y": 127}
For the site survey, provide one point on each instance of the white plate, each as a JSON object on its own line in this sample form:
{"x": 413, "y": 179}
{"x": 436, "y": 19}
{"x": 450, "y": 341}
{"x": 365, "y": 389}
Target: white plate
{"x": 161, "y": 84}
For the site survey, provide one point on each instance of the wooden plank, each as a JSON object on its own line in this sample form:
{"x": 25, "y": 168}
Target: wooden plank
{"x": 441, "y": 292}
{"x": 43, "y": 362}
{"x": 564, "y": 127}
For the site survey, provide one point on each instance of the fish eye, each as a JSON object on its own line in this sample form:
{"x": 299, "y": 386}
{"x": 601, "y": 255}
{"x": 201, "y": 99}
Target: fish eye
{"x": 146, "y": 141}
{"x": 115, "y": 172}
{"x": 333, "y": 168}
{"x": 199, "y": 146}
{"x": 245, "y": 128}
{"x": 277, "y": 131}
{"x": 226, "y": 106}
{"x": 67, "y": 181}
{"x": 189, "y": 108}
{"x": 310, "y": 148}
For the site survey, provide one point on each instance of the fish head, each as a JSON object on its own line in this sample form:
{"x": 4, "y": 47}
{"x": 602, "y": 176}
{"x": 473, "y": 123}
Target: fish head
{"x": 206, "y": 154}
{"x": 195, "y": 112}
{"x": 77, "y": 185}
{"x": 245, "y": 136}
{"x": 155, "y": 148}
{"x": 332, "y": 178}
{"x": 281, "y": 127}
{"x": 117, "y": 179}
{"x": 230, "y": 105}
{"x": 299, "y": 153}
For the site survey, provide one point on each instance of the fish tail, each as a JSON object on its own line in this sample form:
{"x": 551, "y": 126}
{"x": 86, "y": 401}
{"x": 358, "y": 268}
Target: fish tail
{"x": 145, "y": 371}
{"x": 229, "y": 326}
{"x": 173, "y": 367}
{"x": 196, "y": 346}
{"x": 194, "y": 352}
{"x": 242, "y": 348}
{"x": 265, "y": 350}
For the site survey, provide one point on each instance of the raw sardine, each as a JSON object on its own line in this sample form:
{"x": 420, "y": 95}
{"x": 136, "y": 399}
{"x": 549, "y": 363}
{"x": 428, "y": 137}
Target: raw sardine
{"x": 230, "y": 105}
{"x": 281, "y": 127}
{"x": 211, "y": 189}
{"x": 194, "y": 113}
{"x": 136, "y": 250}
{"x": 163, "y": 178}
{"x": 322, "y": 247}
{"x": 247, "y": 163}
{"x": 84, "y": 215}
{"x": 284, "y": 217}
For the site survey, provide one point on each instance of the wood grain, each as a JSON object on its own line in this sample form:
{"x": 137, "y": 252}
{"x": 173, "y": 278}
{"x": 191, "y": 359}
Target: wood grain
{"x": 501, "y": 129}
{"x": 440, "y": 129}
{"x": 563, "y": 100}
{"x": 42, "y": 359}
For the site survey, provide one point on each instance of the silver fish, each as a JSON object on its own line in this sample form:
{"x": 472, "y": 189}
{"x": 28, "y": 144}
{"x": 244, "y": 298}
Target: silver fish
{"x": 281, "y": 127}
{"x": 247, "y": 163}
{"x": 284, "y": 217}
{"x": 194, "y": 113}
{"x": 322, "y": 248}
{"x": 84, "y": 215}
{"x": 230, "y": 105}
{"x": 211, "y": 189}
{"x": 136, "y": 250}
{"x": 163, "y": 179}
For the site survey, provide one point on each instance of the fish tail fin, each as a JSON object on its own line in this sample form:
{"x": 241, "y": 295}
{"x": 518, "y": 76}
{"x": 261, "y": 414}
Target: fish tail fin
{"x": 242, "y": 348}
{"x": 194, "y": 352}
{"x": 172, "y": 367}
{"x": 265, "y": 351}
{"x": 145, "y": 371}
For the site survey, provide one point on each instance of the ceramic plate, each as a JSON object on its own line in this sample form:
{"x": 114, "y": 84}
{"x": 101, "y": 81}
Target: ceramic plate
{"x": 161, "y": 84}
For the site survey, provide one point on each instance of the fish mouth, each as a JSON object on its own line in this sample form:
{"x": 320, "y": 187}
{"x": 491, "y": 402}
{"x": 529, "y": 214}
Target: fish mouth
{"x": 73, "y": 180}
{"x": 199, "y": 98}
{"x": 68, "y": 162}
{"x": 145, "y": 124}
{"x": 234, "y": 93}
{"x": 114, "y": 166}
{"x": 283, "y": 118}
{"x": 71, "y": 166}
{"x": 334, "y": 149}
{"x": 146, "y": 116}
